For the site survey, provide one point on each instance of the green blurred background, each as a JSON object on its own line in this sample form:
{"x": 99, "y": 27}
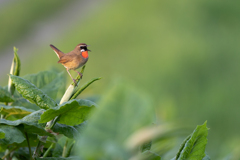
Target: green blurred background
{"x": 184, "y": 54}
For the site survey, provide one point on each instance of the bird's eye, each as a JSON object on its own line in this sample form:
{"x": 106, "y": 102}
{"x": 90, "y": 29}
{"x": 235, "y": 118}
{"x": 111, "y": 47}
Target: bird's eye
{"x": 83, "y": 47}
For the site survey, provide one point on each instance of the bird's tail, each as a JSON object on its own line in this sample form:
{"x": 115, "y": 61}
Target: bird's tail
{"x": 57, "y": 51}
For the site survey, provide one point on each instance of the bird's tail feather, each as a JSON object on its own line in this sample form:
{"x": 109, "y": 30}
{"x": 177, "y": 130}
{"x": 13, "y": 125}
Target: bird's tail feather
{"x": 57, "y": 51}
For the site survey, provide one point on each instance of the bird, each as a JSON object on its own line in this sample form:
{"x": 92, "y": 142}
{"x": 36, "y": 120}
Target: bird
{"x": 74, "y": 59}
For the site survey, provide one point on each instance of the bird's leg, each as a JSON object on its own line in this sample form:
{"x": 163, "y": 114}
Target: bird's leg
{"x": 71, "y": 77}
{"x": 79, "y": 73}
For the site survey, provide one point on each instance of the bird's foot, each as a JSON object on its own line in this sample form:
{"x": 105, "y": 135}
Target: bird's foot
{"x": 75, "y": 82}
{"x": 80, "y": 74}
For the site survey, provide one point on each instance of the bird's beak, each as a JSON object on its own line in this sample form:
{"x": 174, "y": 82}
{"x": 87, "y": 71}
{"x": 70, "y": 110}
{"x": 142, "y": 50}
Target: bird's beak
{"x": 88, "y": 50}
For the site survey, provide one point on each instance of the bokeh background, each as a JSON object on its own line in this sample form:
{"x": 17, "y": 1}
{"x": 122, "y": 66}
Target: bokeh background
{"x": 184, "y": 54}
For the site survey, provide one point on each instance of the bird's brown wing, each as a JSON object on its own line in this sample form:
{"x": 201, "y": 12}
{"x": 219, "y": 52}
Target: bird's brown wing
{"x": 65, "y": 59}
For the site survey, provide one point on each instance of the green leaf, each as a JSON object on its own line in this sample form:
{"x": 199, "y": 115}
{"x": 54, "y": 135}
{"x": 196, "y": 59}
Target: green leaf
{"x": 22, "y": 153}
{"x": 67, "y": 148}
{"x": 1, "y": 154}
{"x": 71, "y": 113}
{"x": 66, "y": 130}
{"x": 23, "y": 102}
{"x": 5, "y": 96}
{"x": 123, "y": 111}
{"x": 81, "y": 127}
{"x": 50, "y": 82}
{"x": 57, "y": 151}
{"x": 2, "y": 134}
{"x": 193, "y": 148}
{"x": 30, "y": 123}
{"x": 206, "y": 158}
{"x": 33, "y": 139}
{"x": 12, "y": 135}
{"x": 59, "y": 158}
{"x": 148, "y": 155}
{"x": 82, "y": 88}
{"x": 182, "y": 146}
{"x": 16, "y": 111}
{"x": 32, "y": 93}
{"x": 17, "y": 62}
{"x": 146, "y": 146}
{"x": 15, "y": 70}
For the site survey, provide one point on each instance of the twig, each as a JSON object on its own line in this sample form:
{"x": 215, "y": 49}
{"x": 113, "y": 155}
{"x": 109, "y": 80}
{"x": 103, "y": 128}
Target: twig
{"x": 35, "y": 153}
{"x": 70, "y": 91}
{"x": 38, "y": 148}
{"x": 67, "y": 95}
{"x": 65, "y": 148}
{"x": 48, "y": 150}
{"x": 29, "y": 147}
{"x": 51, "y": 123}
{"x": 79, "y": 91}
{"x": 69, "y": 150}
{"x": 9, "y": 152}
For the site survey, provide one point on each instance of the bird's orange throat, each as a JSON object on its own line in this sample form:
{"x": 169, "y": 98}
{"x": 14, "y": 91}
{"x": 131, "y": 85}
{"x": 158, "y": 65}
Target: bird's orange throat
{"x": 85, "y": 54}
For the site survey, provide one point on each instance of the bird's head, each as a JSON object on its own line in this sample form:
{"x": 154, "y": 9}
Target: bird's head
{"x": 82, "y": 47}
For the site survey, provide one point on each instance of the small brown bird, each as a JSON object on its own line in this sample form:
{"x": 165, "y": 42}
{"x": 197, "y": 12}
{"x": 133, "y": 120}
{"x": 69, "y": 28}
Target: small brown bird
{"x": 74, "y": 59}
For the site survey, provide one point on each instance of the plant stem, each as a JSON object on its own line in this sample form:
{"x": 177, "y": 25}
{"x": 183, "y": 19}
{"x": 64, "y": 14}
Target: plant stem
{"x": 70, "y": 91}
{"x": 51, "y": 123}
{"x": 78, "y": 77}
{"x": 65, "y": 149}
{"x": 69, "y": 150}
{"x": 39, "y": 145}
{"x": 10, "y": 84}
{"x": 9, "y": 152}
{"x": 79, "y": 91}
{"x": 48, "y": 150}
{"x": 67, "y": 95}
{"x": 36, "y": 152}
{"x": 29, "y": 147}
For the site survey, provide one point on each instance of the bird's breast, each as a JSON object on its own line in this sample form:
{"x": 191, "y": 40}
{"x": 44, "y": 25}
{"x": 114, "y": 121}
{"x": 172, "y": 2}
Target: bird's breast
{"x": 80, "y": 62}
{"x": 85, "y": 54}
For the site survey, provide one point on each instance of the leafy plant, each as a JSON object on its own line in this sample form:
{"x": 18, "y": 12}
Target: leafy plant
{"x": 34, "y": 125}
{"x": 26, "y": 126}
